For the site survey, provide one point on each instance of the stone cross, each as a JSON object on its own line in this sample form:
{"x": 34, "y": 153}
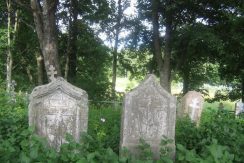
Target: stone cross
{"x": 239, "y": 108}
{"x": 51, "y": 73}
{"x": 191, "y": 105}
{"x": 195, "y": 106}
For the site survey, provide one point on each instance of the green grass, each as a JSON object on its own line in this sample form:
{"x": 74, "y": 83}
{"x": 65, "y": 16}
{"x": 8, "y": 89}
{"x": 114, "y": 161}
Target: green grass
{"x": 228, "y": 105}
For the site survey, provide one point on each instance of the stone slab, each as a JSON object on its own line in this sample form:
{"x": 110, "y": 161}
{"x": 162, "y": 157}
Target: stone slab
{"x": 56, "y": 109}
{"x": 148, "y": 113}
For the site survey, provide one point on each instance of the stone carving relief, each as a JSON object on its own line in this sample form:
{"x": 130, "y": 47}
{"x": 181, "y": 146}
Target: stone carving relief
{"x": 148, "y": 113}
{"x": 56, "y": 109}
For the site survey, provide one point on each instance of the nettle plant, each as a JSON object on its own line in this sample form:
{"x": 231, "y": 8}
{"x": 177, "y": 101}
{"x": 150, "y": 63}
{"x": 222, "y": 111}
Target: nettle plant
{"x": 219, "y": 136}
{"x": 33, "y": 148}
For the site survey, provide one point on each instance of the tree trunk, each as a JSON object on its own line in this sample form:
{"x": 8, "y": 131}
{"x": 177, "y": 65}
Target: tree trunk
{"x": 71, "y": 60}
{"x": 167, "y": 55}
{"x": 115, "y": 52}
{"x": 156, "y": 42}
{"x": 66, "y": 67}
{"x": 242, "y": 87}
{"x": 28, "y": 71}
{"x": 185, "y": 82}
{"x": 11, "y": 36}
{"x": 40, "y": 68}
{"x": 9, "y": 52}
{"x": 166, "y": 79}
{"x": 44, "y": 18}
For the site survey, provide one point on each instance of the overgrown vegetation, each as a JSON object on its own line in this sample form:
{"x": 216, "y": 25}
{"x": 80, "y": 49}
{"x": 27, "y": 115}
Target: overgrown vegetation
{"x": 219, "y": 136}
{"x": 218, "y": 139}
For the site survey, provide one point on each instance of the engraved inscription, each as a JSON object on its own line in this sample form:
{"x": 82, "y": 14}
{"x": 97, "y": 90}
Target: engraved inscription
{"x": 56, "y": 109}
{"x": 147, "y": 119}
{"x": 59, "y": 117}
{"x": 148, "y": 113}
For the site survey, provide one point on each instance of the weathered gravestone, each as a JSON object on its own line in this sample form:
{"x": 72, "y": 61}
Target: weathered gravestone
{"x": 148, "y": 113}
{"x": 239, "y": 108}
{"x": 58, "y": 108}
{"x": 192, "y": 106}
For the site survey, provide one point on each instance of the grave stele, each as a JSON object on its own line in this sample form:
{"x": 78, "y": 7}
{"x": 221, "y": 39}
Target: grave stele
{"x": 239, "y": 108}
{"x": 192, "y": 106}
{"x": 58, "y": 108}
{"x": 148, "y": 113}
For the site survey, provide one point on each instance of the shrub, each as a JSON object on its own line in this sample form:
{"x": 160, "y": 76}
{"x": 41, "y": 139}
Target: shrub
{"x": 219, "y": 138}
{"x": 220, "y": 126}
{"x": 104, "y": 126}
{"x": 211, "y": 153}
{"x": 13, "y": 115}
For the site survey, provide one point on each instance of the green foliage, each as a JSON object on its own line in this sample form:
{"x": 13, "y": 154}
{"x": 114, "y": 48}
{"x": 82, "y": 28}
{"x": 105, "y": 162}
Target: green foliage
{"x": 13, "y": 115}
{"x": 136, "y": 62}
{"x": 93, "y": 58}
{"x": 186, "y": 133}
{"x": 24, "y": 51}
{"x": 195, "y": 47}
{"x": 104, "y": 126}
{"x": 33, "y": 148}
{"x": 145, "y": 150}
{"x": 227, "y": 130}
{"x": 211, "y": 153}
{"x": 219, "y": 138}
{"x": 220, "y": 127}
{"x": 3, "y": 48}
{"x": 166, "y": 150}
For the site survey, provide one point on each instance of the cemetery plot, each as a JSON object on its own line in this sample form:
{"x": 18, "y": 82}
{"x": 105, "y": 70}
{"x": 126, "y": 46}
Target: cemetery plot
{"x": 148, "y": 113}
{"x": 192, "y": 106}
{"x": 56, "y": 109}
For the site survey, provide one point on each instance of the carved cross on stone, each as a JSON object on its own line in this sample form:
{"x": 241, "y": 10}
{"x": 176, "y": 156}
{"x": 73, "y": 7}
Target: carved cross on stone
{"x": 51, "y": 73}
{"x": 194, "y": 105}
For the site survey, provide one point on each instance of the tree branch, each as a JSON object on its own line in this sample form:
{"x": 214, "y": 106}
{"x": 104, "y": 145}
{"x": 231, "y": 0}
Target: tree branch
{"x": 27, "y": 24}
{"x": 37, "y": 13}
{"x": 19, "y": 3}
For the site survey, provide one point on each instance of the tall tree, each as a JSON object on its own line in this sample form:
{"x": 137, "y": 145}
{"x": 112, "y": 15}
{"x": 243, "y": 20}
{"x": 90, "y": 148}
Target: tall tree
{"x": 116, "y": 43}
{"x": 44, "y": 19}
{"x": 12, "y": 29}
{"x": 165, "y": 77}
{"x": 72, "y": 13}
{"x": 163, "y": 60}
{"x": 112, "y": 27}
{"x": 9, "y": 53}
{"x": 71, "y": 58}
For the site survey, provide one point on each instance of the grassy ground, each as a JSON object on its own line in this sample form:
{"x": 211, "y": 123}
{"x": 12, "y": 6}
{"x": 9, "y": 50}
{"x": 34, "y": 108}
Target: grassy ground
{"x": 228, "y": 105}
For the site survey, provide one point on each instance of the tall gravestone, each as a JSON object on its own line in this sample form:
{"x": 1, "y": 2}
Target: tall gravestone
{"x": 148, "y": 113}
{"x": 239, "y": 108}
{"x": 58, "y": 108}
{"x": 192, "y": 106}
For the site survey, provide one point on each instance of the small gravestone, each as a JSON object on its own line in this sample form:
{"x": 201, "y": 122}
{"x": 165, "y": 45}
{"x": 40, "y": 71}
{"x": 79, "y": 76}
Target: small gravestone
{"x": 239, "y": 108}
{"x": 192, "y": 106}
{"x": 58, "y": 108}
{"x": 221, "y": 106}
{"x": 148, "y": 113}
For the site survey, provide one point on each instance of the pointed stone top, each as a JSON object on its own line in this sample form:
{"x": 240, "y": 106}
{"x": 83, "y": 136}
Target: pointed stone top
{"x": 61, "y": 84}
{"x": 193, "y": 93}
{"x": 151, "y": 81}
